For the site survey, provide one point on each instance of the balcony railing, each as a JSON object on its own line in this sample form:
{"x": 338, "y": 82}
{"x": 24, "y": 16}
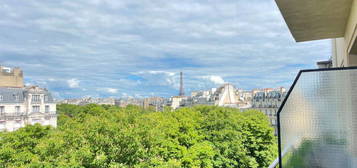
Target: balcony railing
{"x": 318, "y": 120}
{"x": 13, "y": 114}
{"x": 5, "y": 116}
{"x": 51, "y": 113}
{"x": 22, "y": 114}
{"x": 46, "y": 113}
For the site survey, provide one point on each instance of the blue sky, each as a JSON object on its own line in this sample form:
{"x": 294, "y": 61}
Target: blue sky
{"x": 123, "y": 48}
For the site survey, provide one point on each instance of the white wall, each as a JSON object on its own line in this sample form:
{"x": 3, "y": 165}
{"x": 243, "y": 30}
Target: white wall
{"x": 341, "y": 47}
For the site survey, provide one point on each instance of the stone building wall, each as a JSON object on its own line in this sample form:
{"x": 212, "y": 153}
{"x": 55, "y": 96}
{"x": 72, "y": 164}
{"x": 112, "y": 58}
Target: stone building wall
{"x": 11, "y": 77}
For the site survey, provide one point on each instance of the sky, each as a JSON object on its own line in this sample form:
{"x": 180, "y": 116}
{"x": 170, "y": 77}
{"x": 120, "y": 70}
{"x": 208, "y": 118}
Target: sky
{"x": 127, "y": 48}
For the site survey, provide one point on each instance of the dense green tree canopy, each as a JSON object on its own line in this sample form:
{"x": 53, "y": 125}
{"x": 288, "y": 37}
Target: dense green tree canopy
{"x": 107, "y": 136}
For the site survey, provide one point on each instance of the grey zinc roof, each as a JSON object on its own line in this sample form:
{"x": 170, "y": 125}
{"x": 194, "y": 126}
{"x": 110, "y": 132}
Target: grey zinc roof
{"x": 49, "y": 98}
{"x": 11, "y": 95}
{"x": 17, "y": 95}
{"x": 272, "y": 94}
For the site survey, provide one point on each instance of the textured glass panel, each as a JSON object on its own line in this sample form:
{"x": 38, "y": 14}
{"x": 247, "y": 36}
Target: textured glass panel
{"x": 318, "y": 123}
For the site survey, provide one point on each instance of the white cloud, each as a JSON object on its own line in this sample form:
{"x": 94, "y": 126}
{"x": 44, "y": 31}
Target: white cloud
{"x": 108, "y": 90}
{"x": 159, "y": 72}
{"x": 215, "y": 79}
{"x": 73, "y": 83}
{"x": 137, "y": 95}
{"x": 157, "y": 77}
{"x": 112, "y": 90}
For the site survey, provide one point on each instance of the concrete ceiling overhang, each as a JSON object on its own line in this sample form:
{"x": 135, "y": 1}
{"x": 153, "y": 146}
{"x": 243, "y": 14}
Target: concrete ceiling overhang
{"x": 315, "y": 19}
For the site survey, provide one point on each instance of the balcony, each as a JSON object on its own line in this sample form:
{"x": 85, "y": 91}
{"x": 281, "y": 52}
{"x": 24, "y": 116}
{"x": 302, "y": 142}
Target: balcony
{"x": 21, "y": 115}
{"x": 50, "y": 114}
{"x": 45, "y": 113}
{"x": 11, "y": 116}
{"x": 318, "y": 120}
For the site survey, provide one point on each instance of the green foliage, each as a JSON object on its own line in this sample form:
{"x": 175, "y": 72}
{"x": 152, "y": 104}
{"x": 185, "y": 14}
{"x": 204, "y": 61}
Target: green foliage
{"x": 298, "y": 157}
{"x": 96, "y": 136}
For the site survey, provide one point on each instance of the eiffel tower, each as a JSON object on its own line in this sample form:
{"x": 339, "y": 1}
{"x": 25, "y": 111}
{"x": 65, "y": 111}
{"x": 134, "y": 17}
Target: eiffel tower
{"x": 182, "y": 92}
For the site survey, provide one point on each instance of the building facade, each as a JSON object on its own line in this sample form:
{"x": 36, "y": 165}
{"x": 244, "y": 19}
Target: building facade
{"x": 269, "y": 102}
{"x": 27, "y": 105}
{"x": 11, "y": 77}
{"x": 158, "y": 103}
{"x": 226, "y": 96}
{"x": 178, "y": 101}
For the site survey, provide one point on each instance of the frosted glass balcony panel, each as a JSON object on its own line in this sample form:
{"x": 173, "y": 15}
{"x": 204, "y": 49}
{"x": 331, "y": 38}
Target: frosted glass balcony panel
{"x": 318, "y": 121}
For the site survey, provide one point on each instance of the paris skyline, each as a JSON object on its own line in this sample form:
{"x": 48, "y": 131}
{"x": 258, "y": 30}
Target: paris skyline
{"x": 106, "y": 48}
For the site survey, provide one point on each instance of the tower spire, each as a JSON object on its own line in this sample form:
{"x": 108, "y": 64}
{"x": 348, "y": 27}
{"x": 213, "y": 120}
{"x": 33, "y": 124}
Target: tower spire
{"x": 182, "y": 92}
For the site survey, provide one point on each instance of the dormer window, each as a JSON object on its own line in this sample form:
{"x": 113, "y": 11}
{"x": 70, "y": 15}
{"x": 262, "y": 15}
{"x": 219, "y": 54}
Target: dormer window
{"x": 36, "y": 98}
{"x": 16, "y": 97}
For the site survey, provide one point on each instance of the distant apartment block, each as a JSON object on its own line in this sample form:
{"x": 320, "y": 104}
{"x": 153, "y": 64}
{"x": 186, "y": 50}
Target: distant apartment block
{"x": 268, "y": 101}
{"x": 226, "y": 96}
{"x": 123, "y": 102}
{"x": 158, "y": 103}
{"x": 179, "y": 101}
{"x": 89, "y": 100}
{"x": 11, "y": 77}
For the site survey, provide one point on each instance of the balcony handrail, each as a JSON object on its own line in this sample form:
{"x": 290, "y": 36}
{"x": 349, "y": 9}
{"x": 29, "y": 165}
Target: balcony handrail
{"x": 23, "y": 113}
{"x": 44, "y": 112}
{"x": 276, "y": 161}
{"x": 12, "y": 114}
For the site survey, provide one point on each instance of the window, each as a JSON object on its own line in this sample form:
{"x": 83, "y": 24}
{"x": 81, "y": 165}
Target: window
{"x": 2, "y": 125}
{"x": 46, "y": 98}
{"x": 35, "y": 108}
{"x": 2, "y": 109}
{"x": 17, "y": 109}
{"x": 35, "y": 121}
{"x": 16, "y": 97}
{"x": 1, "y": 98}
{"x": 47, "y": 108}
{"x": 36, "y": 98}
